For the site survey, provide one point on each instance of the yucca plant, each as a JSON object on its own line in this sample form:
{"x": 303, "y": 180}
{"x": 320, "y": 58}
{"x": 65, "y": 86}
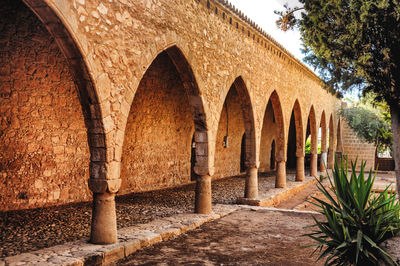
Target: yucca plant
{"x": 356, "y": 220}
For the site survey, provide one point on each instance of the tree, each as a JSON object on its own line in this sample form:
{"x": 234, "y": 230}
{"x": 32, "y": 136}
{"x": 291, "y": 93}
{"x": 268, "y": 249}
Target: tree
{"x": 354, "y": 44}
{"x": 369, "y": 124}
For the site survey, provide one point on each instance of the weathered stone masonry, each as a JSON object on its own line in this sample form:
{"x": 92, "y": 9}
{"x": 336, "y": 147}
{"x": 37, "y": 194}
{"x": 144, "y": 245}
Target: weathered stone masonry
{"x": 43, "y": 142}
{"x": 149, "y": 75}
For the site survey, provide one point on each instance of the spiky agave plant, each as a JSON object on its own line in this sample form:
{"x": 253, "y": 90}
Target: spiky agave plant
{"x": 356, "y": 220}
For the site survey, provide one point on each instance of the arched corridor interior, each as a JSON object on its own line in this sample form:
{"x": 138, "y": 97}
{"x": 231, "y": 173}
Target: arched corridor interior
{"x": 193, "y": 175}
{"x": 157, "y": 151}
{"x": 268, "y": 136}
{"x": 44, "y": 153}
{"x": 291, "y": 146}
{"x": 230, "y": 144}
{"x": 308, "y": 149}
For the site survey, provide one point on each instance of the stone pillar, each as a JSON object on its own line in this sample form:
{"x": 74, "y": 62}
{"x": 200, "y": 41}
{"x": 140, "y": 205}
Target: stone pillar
{"x": 104, "y": 219}
{"x": 322, "y": 166}
{"x": 314, "y": 164}
{"x": 203, "y": 195}
{"x": 331, "y": 159}
{"x": 280, "y": 181}
{"x": 300, "y": 169}
{"x": 251, "y": 189}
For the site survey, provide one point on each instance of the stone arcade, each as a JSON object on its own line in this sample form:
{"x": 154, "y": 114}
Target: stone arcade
{"x": 126, "y": 96}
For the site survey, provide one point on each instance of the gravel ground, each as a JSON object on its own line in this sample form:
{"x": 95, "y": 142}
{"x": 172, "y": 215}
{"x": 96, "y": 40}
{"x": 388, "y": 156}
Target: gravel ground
{"x": 28, "y": 230}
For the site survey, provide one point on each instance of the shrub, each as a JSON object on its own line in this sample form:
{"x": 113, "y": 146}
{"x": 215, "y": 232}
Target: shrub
{"x": 356, "y": 221}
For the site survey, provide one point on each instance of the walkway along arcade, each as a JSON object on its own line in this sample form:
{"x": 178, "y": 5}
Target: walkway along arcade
{"x": 128, "y": 96}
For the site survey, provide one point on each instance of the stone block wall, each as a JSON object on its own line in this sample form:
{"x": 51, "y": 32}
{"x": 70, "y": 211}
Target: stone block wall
{"x": 354, "y": 148}
{"x": 44, "y": 155}
{"x": 140, "y": 108}
{"x": 268, "y": 135}
{"x": 157, "y": 146}
{"x": 228, "y": 159}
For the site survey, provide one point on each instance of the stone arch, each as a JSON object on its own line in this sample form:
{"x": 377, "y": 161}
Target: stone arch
{"x": 95, "y": 135}
{"x": 312, "y": 124}
{"x": 178, "y": 53}
{"x": 267, "y": 140}
{"x": 296, "y": 150}
{"x": 332, "y": 146}
{"x": 87, "y": 91}
{"x": 324, "y": 161}
{"x": 299, "y": 129}
{"x": 313, "y": 130}
{"x": 238, "y": 86}
{"x": 279, "y": 138}
{"x": 323, "y": 133}
{"x": 196, "y": 106}
{"x": 180, "y": 102}
{"x": 280, "y": 134}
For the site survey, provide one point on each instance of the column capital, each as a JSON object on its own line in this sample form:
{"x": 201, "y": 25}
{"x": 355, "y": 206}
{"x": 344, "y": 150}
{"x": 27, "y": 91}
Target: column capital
{"x": 104, "y": 185}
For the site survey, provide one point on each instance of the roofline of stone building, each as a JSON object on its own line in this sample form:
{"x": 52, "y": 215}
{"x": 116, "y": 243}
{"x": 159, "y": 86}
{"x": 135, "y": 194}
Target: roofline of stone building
{"x": 256, "y": 32}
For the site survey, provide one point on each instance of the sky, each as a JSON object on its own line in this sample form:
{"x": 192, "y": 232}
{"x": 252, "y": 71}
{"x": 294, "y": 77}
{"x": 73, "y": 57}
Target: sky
{"x": 262, "y": 13}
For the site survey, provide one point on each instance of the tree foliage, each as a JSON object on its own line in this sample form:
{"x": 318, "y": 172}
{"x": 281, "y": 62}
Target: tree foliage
{"x": 352, "y": 43}
{"x": 370, "y": 121}
{"x": 355, "y": 44}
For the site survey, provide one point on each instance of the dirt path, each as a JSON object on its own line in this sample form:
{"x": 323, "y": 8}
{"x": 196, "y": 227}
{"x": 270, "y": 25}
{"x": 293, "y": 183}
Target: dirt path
{"x": 299, "y": 198}
{"x": 246, "y": 237}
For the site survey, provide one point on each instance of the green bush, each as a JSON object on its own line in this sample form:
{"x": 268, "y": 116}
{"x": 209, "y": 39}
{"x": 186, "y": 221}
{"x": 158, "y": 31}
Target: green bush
{"x": 356, "y": 220}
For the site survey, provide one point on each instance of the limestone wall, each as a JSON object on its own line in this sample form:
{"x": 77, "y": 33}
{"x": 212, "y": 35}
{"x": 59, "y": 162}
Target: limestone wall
{"x": 44, "y": 156}
{"x": 159, "y": 132}
{"x": 268, "y": 135}
{"x": 116, "y": 90}
{"x": 227, "y": 159}
{"x": 355, "y": 148}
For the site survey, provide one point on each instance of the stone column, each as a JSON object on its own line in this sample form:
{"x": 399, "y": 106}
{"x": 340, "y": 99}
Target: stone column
{"x": 300, "y": 169}
{"x": 104, "y": 219}
{"x": 251, "y": 188}
{"x": 280, "y": 181}
{"x": 322, "y": 166}
{"x": 331, "y": 159}
{"x": 314, "y": 164}
{"x": 203, "y": 195}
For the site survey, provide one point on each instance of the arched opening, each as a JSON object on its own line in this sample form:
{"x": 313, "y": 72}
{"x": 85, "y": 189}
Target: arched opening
{"x": 312, "y": 142}
{"x": 323, "y": 150}
{"x": 235, "y": 137}
{"x": 307, "y": 148}
{"x": 291, "y": 146}
{"x": 193, "y": 175}
{"x": 331, "y": 144}
{"x": 272, "y": 156}
{"x": 295, "y": 150}
{"x": 159, "y": 148}
{"x": 267, "y": 143}
{"x": 243, "y": 154}
{"x": 272, "y": 149}
{"x": 46, "y": 98}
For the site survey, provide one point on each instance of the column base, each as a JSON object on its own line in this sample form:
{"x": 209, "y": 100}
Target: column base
{"x": 104, "y": 219}
{"x": 314, "y": 165}
{"x": 203, "y": 195}
{"x": 300, "y": 176}
{"x": 280, "y": 181}
{"x": 251, "y": 187}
